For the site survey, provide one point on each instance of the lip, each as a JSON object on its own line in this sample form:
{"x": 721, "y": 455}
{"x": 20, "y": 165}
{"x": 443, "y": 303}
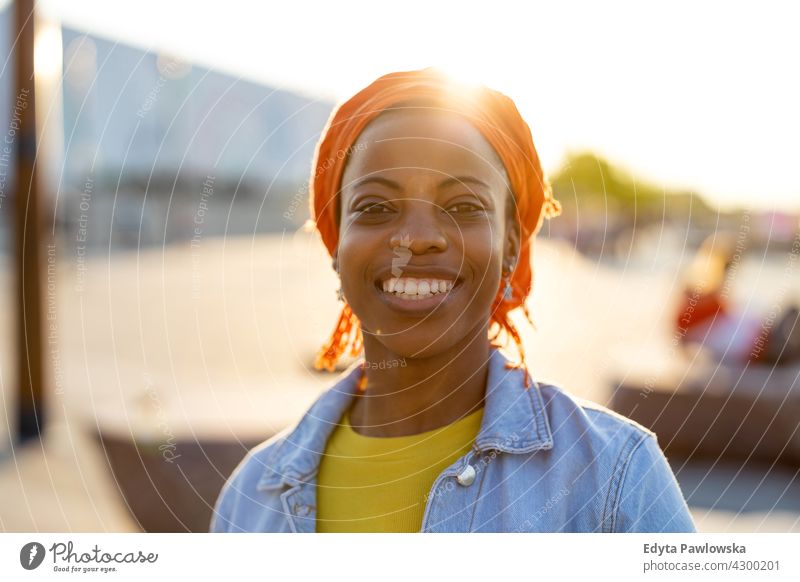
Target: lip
{"x": 420, "y": 307}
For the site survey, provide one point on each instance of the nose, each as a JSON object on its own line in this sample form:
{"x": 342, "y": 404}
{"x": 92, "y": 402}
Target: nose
{"x": 420, "y": 231}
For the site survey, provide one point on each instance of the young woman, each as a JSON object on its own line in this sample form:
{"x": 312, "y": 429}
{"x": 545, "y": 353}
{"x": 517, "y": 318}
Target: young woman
{"x": 428, "y": 195}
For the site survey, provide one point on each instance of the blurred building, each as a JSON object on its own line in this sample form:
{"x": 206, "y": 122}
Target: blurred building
{"x": 149, "y": 139}
{"x": 129, "y": 111}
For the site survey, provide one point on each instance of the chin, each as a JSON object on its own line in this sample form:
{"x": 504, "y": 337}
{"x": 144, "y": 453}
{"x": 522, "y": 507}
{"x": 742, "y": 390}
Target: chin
{"x": 417, "y": 342}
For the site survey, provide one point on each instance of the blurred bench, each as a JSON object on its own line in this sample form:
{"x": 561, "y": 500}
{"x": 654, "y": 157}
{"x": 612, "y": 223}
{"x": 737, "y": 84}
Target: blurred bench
{"x": 701, "y": 410}
{"x": 170, "y": 457}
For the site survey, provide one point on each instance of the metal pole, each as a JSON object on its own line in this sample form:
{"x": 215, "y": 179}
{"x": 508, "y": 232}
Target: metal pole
{"x": 27, "y": 233}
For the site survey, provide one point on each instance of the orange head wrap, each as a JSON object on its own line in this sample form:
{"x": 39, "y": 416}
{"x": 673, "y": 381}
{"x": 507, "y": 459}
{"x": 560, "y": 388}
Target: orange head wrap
{"x": 498, "y": 120}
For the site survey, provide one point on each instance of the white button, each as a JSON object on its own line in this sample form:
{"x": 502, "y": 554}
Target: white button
{"x": 467, "y": 476}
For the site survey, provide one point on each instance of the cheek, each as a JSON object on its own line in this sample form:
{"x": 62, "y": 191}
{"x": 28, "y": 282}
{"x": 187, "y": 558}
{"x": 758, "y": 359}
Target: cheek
{"x": 484, "y": 251}
{"x": 356, "y": 244}
{"x": 352, "y": 260}
{"x": 488, "y": 280}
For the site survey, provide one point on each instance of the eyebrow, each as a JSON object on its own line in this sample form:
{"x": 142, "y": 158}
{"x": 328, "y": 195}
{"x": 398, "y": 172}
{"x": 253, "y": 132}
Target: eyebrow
{"x": 455, "y": 180}
{"x": 378, "y": 180}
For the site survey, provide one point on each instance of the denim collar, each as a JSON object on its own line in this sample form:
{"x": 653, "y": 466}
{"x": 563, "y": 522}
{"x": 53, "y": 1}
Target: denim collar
{"x": 514, "y": 421}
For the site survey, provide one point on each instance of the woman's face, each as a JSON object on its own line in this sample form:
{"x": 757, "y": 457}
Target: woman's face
{"x": 427, "y": 225}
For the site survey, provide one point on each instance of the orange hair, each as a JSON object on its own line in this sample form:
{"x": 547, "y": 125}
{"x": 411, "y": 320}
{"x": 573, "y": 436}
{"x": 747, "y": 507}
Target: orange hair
{"x": 501, "y": 124}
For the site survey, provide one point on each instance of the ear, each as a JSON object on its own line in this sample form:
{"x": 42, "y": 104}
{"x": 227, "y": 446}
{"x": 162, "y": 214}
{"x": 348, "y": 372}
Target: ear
{"x": 513, "y": 235}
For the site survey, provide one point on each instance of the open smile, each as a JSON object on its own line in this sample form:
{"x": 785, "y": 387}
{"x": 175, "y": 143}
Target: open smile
{"x": 416, "y": 295}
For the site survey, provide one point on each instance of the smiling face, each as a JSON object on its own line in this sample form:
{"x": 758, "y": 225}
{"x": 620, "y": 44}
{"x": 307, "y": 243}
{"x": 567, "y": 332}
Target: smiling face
{"x": 427, "y": 225}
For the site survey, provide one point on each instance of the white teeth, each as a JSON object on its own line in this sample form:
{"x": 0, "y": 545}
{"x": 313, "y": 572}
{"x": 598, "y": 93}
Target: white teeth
{"x": 415, "y": 289}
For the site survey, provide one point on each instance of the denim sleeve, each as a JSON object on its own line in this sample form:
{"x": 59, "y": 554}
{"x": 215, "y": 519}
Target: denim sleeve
{"x": 235, "y": 494}
{"x": 649, "y": 497}
{"x": 223, "y": 508}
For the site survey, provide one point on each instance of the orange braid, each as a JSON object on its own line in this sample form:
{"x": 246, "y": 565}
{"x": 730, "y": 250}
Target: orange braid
{"x": 346, "y": 337}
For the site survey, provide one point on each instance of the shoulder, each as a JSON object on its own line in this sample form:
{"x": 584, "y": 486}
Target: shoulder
{"x": 640, "y": 489}
{"x": 250, "y": 499}
{"x": 259, "y": 460}
{"x": 242, "y": 495}
{"x": 572, "y": 416}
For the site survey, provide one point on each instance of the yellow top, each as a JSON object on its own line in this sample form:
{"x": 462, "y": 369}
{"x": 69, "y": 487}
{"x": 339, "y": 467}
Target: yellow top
{"x": 381, "y": 484}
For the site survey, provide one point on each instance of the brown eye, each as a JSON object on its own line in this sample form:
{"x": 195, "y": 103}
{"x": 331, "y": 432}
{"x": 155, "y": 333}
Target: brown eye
{"x": 464, "y": 208}
{"x": 374, "y": 208}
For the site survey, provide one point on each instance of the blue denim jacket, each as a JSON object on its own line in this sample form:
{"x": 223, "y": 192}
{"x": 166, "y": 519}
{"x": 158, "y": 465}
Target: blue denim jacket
{"x": 543, "y": 461}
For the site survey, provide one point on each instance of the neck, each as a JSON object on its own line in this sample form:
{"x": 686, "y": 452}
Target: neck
{"x": 414, "y": 395}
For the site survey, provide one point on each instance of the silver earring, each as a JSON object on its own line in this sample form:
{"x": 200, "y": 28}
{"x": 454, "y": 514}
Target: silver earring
{"x": 508, "y": 291}
{"x": 339, "y": 291}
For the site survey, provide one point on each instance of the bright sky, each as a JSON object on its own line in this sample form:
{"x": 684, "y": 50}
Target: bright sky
{"x": 690, "y": 94}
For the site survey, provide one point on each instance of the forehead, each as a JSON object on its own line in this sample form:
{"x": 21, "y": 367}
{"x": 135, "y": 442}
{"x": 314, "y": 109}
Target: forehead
{"x": 423, "y": 141}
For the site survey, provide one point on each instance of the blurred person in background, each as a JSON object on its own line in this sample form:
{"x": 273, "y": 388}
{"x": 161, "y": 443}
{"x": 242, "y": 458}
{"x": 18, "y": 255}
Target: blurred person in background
{"x": 707, "y": 319}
